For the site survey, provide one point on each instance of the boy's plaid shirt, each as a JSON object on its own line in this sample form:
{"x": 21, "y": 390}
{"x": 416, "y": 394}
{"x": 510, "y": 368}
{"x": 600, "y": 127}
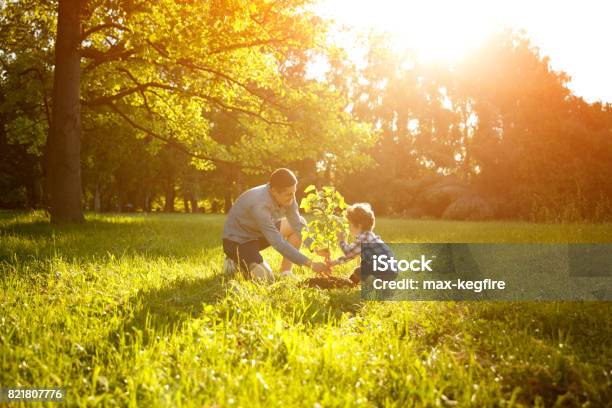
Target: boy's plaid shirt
{"x": 354, "y": 249}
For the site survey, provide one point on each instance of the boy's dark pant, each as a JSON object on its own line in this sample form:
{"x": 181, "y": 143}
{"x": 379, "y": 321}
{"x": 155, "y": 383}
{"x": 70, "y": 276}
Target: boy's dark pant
{"x": 356, "y": 275}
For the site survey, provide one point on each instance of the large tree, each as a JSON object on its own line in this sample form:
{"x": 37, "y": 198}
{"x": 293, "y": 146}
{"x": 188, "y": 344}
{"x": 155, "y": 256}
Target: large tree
{"x": 162, "y": 67}
{"x": 64, "y": 142}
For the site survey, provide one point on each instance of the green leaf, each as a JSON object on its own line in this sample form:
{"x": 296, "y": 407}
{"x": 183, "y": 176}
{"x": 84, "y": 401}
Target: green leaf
{"x": 305, "y": 204}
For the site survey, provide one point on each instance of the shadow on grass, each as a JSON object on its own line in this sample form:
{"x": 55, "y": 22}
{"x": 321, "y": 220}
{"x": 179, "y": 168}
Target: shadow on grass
{"x": 163, "y": 310}
{"x": 323, "y": 311}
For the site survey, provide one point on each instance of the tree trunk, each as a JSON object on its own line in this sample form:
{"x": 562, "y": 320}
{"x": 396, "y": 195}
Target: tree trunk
{"x": 194, "y": 203}
{"x": 106, "y": 197}
{"x": 37, "y": 192}
{"x": 238, "y": 184}
{"x": 120, "y": 198}
{"x": 170, "y": 194}
{"x": 64, "y": 143}
{"x": 227, "y": 200}
{"x": 30, "y": 195}
{"x": 186, "y": 203}
{"x": 97, "y": 204}
{"x": 147, "y": 200}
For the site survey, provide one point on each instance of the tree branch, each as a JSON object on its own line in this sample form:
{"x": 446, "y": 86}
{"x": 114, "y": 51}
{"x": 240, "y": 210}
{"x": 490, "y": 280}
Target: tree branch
{"x": 249, "y": 44}
{"x": 141, "y": 87}
{"x": 115, "y": 52}
{"x": 101, "y": 27}
{"x": 161, "y": 50}
{"x": 174, "y": 143}
{"x": 190, "y": 64}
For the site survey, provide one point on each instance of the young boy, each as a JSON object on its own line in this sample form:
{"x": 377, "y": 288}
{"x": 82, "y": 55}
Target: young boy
{"x": 361, "y": 225}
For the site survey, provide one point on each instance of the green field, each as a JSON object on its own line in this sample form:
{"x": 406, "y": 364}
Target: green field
{"x": 131, "y": 310}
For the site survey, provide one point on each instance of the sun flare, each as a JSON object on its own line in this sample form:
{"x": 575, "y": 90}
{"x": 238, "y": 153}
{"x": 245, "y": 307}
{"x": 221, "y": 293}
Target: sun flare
{"x": 435, "y": 30}
{"x": 572, "y": 34}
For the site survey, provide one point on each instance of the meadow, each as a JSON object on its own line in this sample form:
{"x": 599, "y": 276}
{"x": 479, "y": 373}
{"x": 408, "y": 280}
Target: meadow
{"x": 132, "y": 310}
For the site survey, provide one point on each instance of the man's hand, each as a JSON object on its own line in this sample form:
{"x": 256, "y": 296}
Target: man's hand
{"x": 320, "y": 268}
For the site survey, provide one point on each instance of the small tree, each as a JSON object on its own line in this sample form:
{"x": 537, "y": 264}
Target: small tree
{"x": 328, "y": 208}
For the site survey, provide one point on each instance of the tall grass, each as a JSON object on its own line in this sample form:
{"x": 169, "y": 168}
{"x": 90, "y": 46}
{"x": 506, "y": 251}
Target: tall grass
{"x": 132, "y": 310}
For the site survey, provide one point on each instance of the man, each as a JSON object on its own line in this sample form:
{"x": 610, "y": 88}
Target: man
{"x": 262, "y": 216}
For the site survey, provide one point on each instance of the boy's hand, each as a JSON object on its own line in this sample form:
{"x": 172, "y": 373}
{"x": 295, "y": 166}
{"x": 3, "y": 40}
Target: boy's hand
{"x": 341, "y": 236}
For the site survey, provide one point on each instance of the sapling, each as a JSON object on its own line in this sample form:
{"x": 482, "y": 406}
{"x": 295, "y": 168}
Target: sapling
{"x": 327, "y": 209}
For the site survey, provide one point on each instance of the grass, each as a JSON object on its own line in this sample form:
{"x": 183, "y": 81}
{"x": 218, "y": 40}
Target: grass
{"x": 131, "y": 310}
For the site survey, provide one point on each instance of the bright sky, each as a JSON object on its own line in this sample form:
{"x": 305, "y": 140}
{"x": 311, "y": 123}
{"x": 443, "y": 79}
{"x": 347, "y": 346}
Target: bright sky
{"x": 576, "y": 35}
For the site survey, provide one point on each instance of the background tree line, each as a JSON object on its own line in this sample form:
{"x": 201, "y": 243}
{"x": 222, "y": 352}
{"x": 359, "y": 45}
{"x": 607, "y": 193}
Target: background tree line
{"x": 133, "y": 105}
{"x": 497, "y": 135}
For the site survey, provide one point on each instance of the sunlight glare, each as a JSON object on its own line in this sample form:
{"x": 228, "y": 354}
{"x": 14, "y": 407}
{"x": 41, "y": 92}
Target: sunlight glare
{"x": 574, "y": 34}
{"x": 436, "y": 30}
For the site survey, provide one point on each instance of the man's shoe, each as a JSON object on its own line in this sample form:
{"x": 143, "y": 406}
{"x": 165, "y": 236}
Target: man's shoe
{"x": 229, "y": 267}
{"x": 261, "y": 272}
{"x": 287, "y": 275}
